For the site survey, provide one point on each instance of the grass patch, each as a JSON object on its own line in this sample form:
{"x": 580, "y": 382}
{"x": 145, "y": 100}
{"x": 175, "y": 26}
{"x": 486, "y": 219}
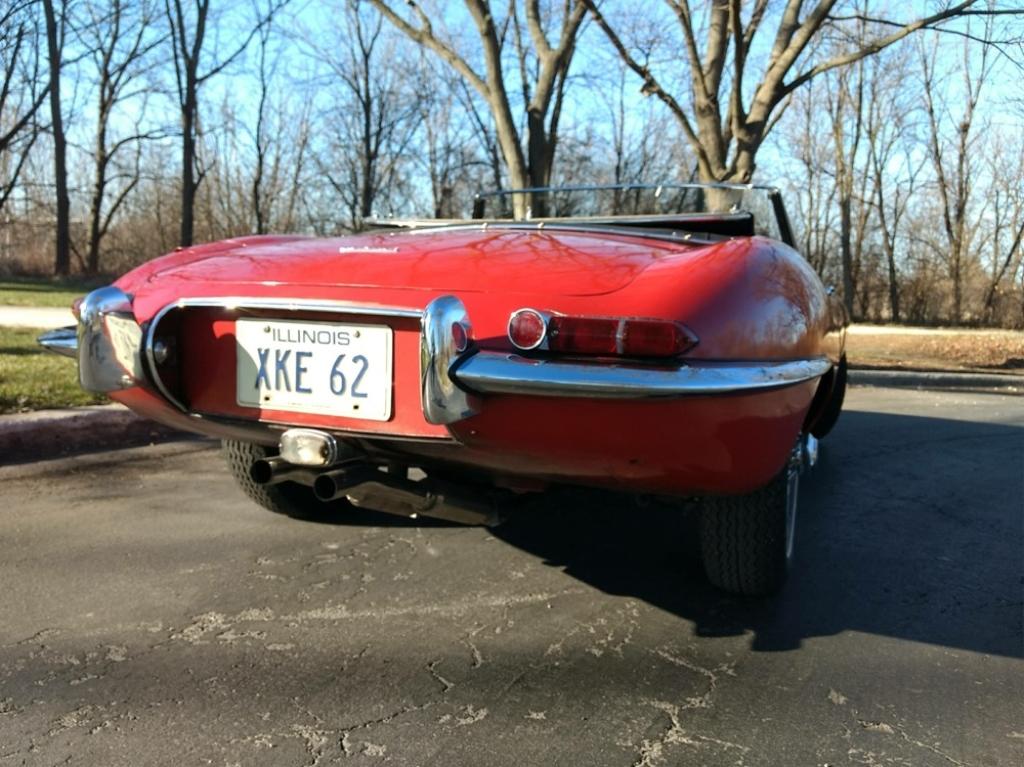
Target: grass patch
{"x": 30, "y": 291}
{"x": 32, "y": 378}
{"x": 964, "y": 350}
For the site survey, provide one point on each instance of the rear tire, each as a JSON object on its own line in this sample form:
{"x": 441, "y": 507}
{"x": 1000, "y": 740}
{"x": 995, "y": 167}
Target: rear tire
{"x": 830, "y": 414}
{"x": 287, "y": 498}
{"x": 746, "y": 541}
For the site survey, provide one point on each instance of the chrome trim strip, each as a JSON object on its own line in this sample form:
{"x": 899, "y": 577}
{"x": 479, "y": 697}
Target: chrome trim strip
{"x": 109, "y": 342}
{"x": 443, "y": 402}
{"x": 271, "y": 304}
{"x": 292, "y": 305}
{"x": 503, "y": 373}
{"x": 62, "y": 341}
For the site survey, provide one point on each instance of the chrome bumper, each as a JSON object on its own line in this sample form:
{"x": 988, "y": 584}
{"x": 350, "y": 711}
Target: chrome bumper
{"x": 502, "y": 373}
{"x": 109, "y": 343}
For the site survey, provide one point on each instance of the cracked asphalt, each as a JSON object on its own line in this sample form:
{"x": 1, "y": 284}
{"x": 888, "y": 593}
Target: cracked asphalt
{"x": 151, "y": 615}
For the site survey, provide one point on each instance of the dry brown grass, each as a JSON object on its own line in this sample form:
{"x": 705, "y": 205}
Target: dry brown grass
{"x": 991, "y": 351}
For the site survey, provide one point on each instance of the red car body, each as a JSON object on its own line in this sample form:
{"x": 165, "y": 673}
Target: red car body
{"x": 719, "y": 418}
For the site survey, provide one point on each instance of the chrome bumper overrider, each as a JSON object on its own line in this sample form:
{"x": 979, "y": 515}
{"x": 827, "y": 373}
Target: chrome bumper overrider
{"x": 107, "y": 342}
{"x": 503, "y": 373}
{"x": 442, "y": 401}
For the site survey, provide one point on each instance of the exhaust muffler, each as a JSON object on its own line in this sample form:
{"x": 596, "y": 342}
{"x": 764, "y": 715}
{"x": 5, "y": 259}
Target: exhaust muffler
{"x": 365, "y": 487}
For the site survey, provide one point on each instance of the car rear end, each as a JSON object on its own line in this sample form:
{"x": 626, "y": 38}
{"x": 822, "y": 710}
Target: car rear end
{"x": 617, "y": 362}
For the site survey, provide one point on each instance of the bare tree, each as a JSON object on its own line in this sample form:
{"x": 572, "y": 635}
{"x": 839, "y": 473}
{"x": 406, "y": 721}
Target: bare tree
{"x": 56, "y": 28}
{"x": 954, "y": 163}
{"x": 1007, "y": 173}
{"x": 733, "y": 99}
{"x": 118, "y": 37}
{"x": 280, "y": 139}
{"x": 188, "y": 34}
{"x": 845, "y": 99}
{"x": 643, "y": 147}
{"x": 543, "y": 68}
{"x": 456, "y": 150}
{"x": 23, "y": 91}
{"x": 483, "y": 131}
{"x": 813, "y": 187}
{"x": 892, "y": 163}
{"x": 373, "y": 111}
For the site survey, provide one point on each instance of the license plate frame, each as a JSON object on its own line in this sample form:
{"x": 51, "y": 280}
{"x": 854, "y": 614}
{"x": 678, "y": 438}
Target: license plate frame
{"x": 316, "y": 367}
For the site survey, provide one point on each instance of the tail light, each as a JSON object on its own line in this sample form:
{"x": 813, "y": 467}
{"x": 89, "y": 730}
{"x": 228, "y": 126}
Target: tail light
{"x": 76, "y": 307}
{"x": 527, "y": 329}
{"x": 599, "y": 336}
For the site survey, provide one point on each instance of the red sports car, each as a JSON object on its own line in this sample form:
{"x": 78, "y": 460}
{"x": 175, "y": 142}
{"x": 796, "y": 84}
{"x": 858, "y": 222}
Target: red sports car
{"x": 679, "y": 346}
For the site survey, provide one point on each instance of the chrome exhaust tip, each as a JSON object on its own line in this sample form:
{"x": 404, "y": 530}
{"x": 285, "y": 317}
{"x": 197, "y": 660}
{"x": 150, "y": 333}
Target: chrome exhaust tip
{"x": 270, "y": 471}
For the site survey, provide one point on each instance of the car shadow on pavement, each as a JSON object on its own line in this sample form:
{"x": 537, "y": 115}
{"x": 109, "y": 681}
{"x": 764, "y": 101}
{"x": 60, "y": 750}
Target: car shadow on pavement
{"x": 909, "y": 527}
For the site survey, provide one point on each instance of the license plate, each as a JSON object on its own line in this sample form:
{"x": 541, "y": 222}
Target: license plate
{"x": 315, "y": 367}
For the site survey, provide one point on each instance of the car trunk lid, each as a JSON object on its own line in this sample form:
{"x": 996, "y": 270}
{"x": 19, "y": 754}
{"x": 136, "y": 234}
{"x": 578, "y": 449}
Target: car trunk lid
{"x": 464, "y": 259}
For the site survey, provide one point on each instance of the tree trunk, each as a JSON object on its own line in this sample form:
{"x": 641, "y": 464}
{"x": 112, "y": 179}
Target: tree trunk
{"x": 539, "y": 156}
{"x": 54, "y": 43}
{"x": 518, "y": 173}
{"x": 894, "y": 288}
{"x": 958, "y": 286}
{"x": 846, "y": 252}
{"x": 96, "y": 204}
{"x": 188, "y": 164}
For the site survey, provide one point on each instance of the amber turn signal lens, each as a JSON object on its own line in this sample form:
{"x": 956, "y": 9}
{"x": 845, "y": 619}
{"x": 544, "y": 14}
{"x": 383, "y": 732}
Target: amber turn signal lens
{"x": 527, "y": 329}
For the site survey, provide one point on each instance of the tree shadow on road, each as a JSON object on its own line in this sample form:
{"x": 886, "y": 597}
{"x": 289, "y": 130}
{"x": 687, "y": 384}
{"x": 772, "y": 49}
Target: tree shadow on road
{"x": 909, "y": 527}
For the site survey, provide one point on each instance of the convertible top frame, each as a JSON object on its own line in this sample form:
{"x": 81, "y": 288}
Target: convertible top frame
{"x": 773, "y": 194}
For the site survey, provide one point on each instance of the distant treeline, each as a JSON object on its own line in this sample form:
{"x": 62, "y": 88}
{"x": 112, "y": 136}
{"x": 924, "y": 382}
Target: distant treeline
{"x": 129, "y": 127}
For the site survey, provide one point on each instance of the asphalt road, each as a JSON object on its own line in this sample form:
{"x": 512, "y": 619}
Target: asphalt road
{"x": 149, "y": 615}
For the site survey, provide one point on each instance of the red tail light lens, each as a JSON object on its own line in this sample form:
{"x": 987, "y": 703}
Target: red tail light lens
{"x": 527, "y": 329}
{"x": 655, "y": 338}
{"x": 599, "y": 336}
{"x": 584, "y": 335}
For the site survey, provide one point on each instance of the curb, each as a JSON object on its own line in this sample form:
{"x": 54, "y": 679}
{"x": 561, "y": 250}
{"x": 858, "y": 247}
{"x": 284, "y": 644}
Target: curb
{"x": 992, "y": 382}
{"x": 46, "y": 434}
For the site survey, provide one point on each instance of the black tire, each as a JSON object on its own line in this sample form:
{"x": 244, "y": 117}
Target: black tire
{"x": 830, "y": 414}
{"x": 288, "y": 498}
{"x": 746, "y": 541}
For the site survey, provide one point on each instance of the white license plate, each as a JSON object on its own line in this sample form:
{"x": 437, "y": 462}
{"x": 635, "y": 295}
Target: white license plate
{"x": 315, "y": 367}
